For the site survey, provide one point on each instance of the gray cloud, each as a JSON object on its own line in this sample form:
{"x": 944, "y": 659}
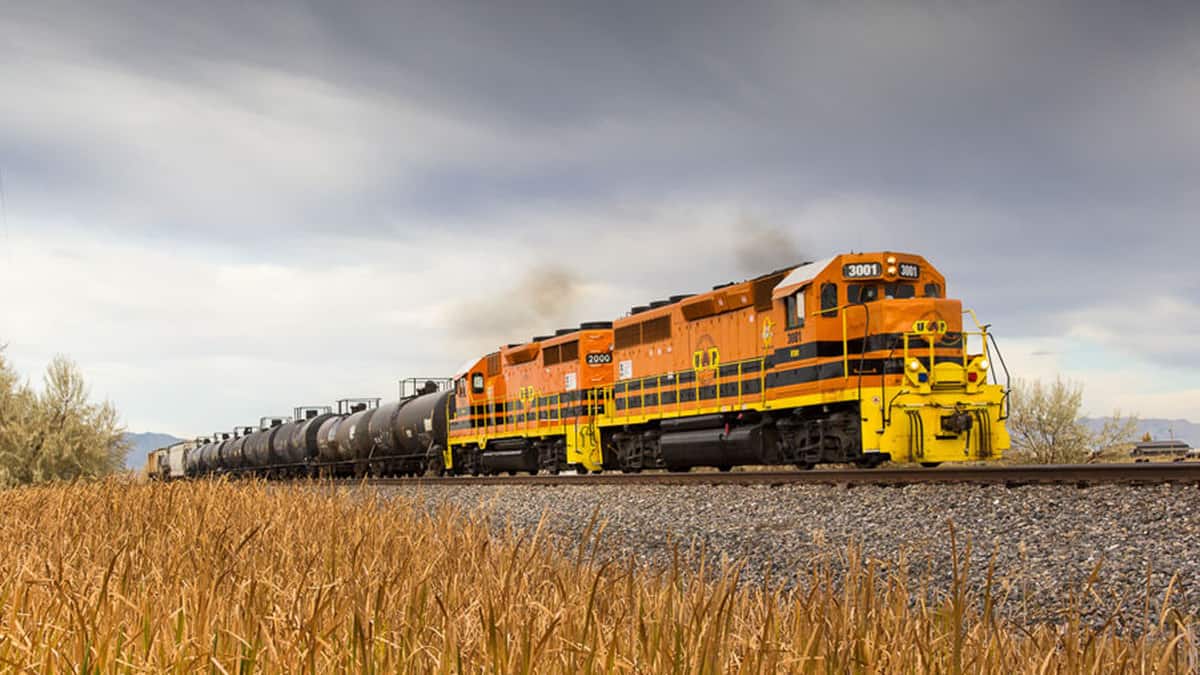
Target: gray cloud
{"x": 1024, "y": 104}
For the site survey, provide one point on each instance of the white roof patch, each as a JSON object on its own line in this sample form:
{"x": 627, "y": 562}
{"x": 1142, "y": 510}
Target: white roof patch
{"x": 800, "y": 276}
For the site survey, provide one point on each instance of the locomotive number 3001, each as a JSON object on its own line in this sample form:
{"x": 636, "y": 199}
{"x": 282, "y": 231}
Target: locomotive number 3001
{"x": 862, "y": 270}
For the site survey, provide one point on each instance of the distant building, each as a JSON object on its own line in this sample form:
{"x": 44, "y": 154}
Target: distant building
{"x": 1160, "y": 448}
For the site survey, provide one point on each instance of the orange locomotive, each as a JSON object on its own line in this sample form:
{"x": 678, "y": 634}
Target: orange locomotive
{"x": 859, "y": 358}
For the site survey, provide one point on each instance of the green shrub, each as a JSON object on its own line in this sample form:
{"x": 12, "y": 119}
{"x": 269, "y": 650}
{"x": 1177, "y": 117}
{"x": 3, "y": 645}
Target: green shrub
{"x": 57, "y": 433}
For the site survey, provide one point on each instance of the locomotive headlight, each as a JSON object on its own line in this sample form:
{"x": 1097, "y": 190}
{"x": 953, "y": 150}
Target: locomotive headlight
{"x": 892, "y": 271}
{"x": 914, "y": 365}
{"x": 891, "y": 260}
{"x": 983, "y": 364}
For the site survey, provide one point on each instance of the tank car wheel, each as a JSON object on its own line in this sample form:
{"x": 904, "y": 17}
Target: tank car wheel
{"x": 679, "y": 469}
{"x": 930, "y": 465}
{"x": 725, "y": 468}
{"x": 433, "y": 466}
{"x": 805, "y": 466}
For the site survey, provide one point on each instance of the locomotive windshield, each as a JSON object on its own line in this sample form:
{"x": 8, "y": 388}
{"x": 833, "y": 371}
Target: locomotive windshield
{"x": 861, "y": 293}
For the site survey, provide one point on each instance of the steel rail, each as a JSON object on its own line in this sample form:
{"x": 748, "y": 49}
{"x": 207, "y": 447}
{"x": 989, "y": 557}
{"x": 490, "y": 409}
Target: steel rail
{"x": 1072, "y": 474}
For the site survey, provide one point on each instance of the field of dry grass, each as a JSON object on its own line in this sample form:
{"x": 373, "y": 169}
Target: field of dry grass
{"x": 124, "y": 577}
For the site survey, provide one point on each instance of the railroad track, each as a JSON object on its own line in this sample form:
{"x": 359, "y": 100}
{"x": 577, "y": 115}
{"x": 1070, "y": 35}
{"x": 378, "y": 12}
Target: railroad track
{"x": 1062, "y": 474}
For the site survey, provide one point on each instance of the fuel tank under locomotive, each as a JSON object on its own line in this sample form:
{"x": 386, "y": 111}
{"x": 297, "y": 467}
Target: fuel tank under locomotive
{"x": 714, "y": 447}
{"x": 513, "y": 454}
{"x": 711, "y": 440}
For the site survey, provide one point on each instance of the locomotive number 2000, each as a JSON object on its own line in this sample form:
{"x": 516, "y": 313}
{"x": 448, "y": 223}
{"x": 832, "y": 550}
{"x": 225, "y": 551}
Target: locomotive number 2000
{"x": 862, "y": 270}
{"x": 599, "y": 358}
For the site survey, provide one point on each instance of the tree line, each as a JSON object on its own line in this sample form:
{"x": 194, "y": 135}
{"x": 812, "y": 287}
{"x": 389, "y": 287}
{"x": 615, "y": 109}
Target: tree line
{"x": 56, "y": 433}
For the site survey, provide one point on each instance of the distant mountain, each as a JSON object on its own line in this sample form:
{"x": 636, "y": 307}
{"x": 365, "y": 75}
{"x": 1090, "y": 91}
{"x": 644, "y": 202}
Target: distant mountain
{"x": 1159, "y": 429}
{"x": 142, "y": 444}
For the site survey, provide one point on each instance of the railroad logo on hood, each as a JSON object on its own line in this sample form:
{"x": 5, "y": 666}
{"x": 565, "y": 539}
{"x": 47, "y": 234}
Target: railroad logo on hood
{"x": 930, "y": 324}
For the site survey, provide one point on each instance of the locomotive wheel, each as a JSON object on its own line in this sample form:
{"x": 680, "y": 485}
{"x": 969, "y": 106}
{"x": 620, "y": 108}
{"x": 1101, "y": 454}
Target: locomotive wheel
{"x": 930, "y": 465}
{"x": 474, "y": 461}
{"x": 549, "y": 460}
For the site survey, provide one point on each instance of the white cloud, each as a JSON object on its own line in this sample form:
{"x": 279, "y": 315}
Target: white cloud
{"x": 1112, "y": 379}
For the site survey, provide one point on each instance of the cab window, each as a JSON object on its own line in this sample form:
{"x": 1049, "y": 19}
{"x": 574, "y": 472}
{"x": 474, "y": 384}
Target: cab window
{"x": 933, "y": 290}
{"x": 477, "y": 383}
{"x": 794, "y": 304}
{"x": 860, "y": 293}
{"x": 829, "y": 299}
{"x": 899, "y": 291}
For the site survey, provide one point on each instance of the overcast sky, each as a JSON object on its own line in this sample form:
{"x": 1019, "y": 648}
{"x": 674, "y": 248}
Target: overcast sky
{"x": 222, "y": 210}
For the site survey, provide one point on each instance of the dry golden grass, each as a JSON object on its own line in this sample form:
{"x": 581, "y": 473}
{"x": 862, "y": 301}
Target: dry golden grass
{"x": 123, "y": 577}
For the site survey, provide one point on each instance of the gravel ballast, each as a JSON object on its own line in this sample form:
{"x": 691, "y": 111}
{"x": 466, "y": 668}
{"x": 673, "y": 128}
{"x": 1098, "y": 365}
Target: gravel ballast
{"x": 1044, "y": 541}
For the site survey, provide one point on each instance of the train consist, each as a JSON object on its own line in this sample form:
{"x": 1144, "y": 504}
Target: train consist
{"x": 860, "y": 358}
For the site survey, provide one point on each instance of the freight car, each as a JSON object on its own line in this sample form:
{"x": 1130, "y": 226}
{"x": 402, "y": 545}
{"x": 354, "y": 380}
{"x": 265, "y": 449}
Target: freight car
{"x": 362, "y": 437}
{"x": 167, "y": 463}
{"x": 860, "y": 358}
